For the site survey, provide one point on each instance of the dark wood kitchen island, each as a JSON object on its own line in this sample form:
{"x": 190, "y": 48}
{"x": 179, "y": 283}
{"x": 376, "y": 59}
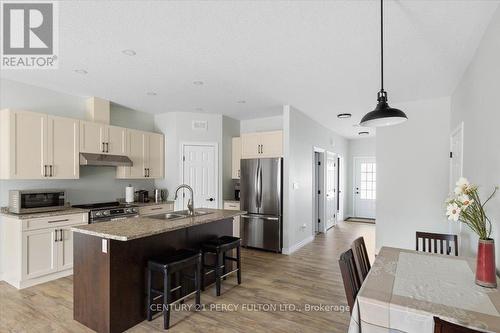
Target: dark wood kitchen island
{"x": 110, "y": 260}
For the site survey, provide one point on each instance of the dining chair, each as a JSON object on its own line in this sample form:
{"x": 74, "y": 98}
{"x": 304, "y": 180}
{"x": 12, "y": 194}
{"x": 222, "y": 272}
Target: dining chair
{"x": 361, "y": 258}
{"x": 349, "y": 277}
{"x": 442, "y": 326}
{"x": 437, "y": 243}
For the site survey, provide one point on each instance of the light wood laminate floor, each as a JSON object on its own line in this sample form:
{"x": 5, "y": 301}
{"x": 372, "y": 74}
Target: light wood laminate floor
{"x": 308, "y": 276}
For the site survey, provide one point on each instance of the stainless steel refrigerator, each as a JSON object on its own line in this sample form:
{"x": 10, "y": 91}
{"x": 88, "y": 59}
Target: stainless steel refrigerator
{"x": 261, "y": 196}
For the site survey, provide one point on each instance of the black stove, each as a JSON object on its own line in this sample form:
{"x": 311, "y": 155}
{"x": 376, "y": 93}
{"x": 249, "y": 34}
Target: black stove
{"x": 109, "y": 211}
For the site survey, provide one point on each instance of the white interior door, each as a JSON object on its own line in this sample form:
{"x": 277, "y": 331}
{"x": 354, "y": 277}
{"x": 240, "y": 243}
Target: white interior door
{"x": 365, "y": 187}
{"x": 456, "y": 155}
{"x": 200, "y": 172}
{"x": 331, "y": 190}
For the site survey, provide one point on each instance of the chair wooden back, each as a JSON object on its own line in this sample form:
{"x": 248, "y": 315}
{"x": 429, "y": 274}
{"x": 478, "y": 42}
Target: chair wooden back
{"x": 437, "y": 243}
{"x": 349, "y": 277}
{"x": 442, "y": 326}
{"x": 361, "y": 258}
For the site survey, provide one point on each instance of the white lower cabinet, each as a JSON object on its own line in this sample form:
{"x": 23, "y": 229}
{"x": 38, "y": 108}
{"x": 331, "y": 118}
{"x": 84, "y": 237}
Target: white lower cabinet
{"x": 234, "y": 205}
{"x": 38, "y": 250}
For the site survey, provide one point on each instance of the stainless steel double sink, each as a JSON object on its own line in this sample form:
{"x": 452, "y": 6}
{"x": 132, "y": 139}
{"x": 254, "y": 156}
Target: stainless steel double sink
{"x": 181, "y": 214}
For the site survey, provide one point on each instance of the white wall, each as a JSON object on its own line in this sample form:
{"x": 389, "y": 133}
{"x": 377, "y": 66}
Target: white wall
{"x": 262, "y": 124}
{"x": 357, "y": 148}
{"x": 95, "y": 183}
{"x": 412, "y": 173}
{"x": 177, "y": 128}
{"x": 301, "y": 135}
{"x": 476, "y": 102}
{"x": 230, "y": 129}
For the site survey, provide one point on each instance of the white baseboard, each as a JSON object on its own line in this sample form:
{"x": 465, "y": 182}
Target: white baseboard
{"x": 295, "y": 247}
{"x": 41, "y": 279}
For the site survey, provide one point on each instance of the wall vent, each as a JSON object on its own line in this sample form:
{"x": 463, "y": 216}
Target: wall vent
{"x": 200, "y": 125}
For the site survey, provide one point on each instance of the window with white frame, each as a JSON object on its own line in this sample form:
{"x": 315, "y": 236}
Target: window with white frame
{"x": 368, "y": 184}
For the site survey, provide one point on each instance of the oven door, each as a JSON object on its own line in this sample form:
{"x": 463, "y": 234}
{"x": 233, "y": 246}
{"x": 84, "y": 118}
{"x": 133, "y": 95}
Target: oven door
{"x": 41, "y": 201}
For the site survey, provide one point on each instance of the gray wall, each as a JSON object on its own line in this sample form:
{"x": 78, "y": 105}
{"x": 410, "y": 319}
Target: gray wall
{"x": 476, "y": 102}
{"x": 301, "y": 135}
{"x": 412, "y": 174}
{"x": 95, "y": 183}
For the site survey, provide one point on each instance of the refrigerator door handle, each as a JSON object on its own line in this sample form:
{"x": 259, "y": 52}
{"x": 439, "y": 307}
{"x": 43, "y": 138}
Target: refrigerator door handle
{"x": 261, "y": 217}
{"x": 260, "y": 185}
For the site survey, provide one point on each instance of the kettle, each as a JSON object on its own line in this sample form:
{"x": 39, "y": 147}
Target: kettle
{"x": 142, "y": 196}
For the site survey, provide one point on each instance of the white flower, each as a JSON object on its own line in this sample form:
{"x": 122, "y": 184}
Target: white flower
{"x": 465, "y": 201}
{"x": 453, "y": 212}
{"x": 462, "y": 185}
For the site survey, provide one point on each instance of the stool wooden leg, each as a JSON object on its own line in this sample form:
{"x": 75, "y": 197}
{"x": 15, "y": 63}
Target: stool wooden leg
{"x": 202, "y": 277}
{"x": 197, "y": 278}
{"x": 238, "y": 263}
{"x": 166, "y": 301}
{"x": 150, "y": 296}
{"x": 218, "y": 267}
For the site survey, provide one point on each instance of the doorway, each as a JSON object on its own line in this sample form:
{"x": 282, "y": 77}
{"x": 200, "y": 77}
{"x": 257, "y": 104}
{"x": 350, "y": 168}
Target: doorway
{"x": 365, "y": 187}
{"x": 319, "y": 190}
{"x": 200, "y": 171}
{"x": 332, "y": 189}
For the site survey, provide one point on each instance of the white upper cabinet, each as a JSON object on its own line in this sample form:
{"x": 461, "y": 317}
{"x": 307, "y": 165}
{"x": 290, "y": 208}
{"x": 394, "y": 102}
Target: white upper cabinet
{"x": 146, "y": 150}
{"x": 155, "y": 156}
{"x": 99, "y": 138}
{"x": 236, "y": 158}
{"x": 38, "y": 146}
{"x": 92, "y": 137}
{"x": 63, "y": 150}
{"x": 262, "y": 144}
{"x": 116, "y": 143}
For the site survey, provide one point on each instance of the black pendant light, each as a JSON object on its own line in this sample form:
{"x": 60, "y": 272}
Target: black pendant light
{"x": 383, "y": 115}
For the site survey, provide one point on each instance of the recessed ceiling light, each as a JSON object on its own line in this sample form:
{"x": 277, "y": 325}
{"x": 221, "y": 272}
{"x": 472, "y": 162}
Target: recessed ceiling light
{"x": 344, "y": 115}
{"x": 129, "y": 52}
{"x": 241, "y": 102}
{"x": 151, "y": 93}
{"x": 198, "y": 83}
{"x": 81, "y": 71}
{"x": 363, "y": 133}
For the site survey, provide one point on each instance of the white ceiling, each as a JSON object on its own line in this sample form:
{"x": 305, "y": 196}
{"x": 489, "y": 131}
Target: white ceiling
{"x": 322, "y": 57}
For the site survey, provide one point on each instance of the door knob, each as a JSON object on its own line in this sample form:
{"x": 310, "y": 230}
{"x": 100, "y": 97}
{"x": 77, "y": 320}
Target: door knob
{"x": 210, "y": 199}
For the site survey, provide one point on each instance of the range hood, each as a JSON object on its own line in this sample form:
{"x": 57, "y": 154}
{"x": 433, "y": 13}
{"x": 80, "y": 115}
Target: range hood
{"x": 104, "y": 160}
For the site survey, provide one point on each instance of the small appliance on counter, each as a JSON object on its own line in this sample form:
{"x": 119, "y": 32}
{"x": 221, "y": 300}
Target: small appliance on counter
{"x": 237, "y": 190}
{"x": 36, "y": 201}
{"x": 142, "y": 196}
{"x": 160, "y": 195}
{"x": 129, "y": 194}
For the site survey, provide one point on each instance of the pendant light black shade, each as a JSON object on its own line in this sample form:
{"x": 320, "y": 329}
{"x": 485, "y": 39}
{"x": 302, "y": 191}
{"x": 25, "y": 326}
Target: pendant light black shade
{"x": 383, "y": 115}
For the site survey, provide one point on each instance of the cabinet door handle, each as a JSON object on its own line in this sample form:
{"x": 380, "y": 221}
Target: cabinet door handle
{"x": 149, "y": 172}
{"x": 262, "y": 149}
{"x": 55, "y": 221}
{"x": 156, "y": 208}
{"x": 51, "y": 169}
{"x": 56, "y": 238}
{"x": 107, "y": 147}
{"x": 44, "y": 170}
{"x": 145, "y": 172}
{"x": 61, "y": 235}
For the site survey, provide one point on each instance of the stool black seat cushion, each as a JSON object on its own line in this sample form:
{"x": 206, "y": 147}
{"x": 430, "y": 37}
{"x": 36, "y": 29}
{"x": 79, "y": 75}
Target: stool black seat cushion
{"x": 178, "y": 258}
{"x": 221, "y": 243}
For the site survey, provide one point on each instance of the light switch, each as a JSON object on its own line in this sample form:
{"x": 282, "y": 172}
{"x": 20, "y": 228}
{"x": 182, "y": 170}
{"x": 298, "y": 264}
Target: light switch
{"x": 295, "y": 186}
{"x": 104, "y": 246}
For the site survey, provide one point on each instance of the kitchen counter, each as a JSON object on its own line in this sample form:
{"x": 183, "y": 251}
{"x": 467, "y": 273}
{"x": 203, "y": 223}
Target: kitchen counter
{"x": 139, "y": 227}
{"x": 151, "y": 203}
{"x": 110, "y": 260}
{"x": 65, "y": 211}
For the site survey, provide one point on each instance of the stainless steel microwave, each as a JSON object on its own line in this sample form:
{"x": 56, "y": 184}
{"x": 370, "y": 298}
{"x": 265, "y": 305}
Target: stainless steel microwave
{"x": 36, "y": 201}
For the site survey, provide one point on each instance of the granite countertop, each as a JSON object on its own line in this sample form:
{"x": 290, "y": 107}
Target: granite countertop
{"x": 69, "y": 210}
{"x": 139, "y": 227}
{"x": 152, "y": 203}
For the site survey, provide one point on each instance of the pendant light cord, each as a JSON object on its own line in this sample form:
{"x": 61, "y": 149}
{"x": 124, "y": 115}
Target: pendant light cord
{"x": 382, "y": 45}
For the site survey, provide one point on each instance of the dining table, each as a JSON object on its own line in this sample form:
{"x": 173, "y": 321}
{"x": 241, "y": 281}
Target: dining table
{"x": 404, "y": 290}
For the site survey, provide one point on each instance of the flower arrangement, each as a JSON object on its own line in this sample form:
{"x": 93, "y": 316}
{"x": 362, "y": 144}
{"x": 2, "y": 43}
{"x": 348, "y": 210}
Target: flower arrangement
{"x": 466, "y": 206}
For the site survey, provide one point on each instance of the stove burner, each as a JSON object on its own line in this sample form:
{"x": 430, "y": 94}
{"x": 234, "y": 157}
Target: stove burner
{"x": 109, "y": 211}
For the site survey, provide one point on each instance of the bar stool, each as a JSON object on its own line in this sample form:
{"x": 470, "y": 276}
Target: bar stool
{"x": 178, "y": 263}
{"x": 219, "y": 247}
